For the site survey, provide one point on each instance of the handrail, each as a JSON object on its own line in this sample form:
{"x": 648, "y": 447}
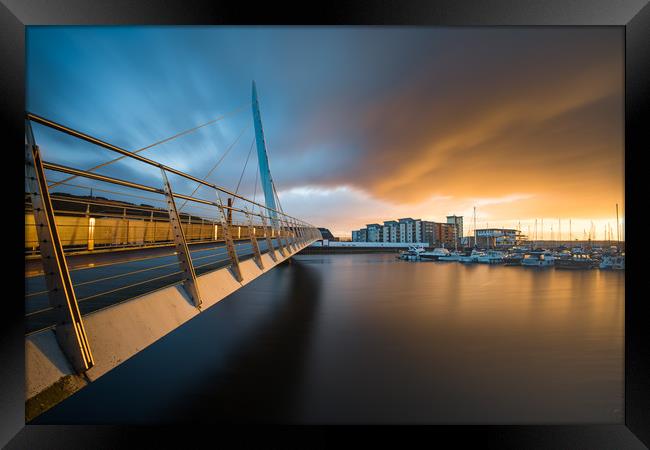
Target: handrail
{"x": 104, "y": 178}
{"x": 239, "y": 232}
{"x": 64, "y": 129}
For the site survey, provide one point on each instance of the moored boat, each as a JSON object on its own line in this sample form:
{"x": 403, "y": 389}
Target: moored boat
{"x": 538, "y": 259}
{"x": 613, "y": 262}
{"x": 513, "y": 259}
{"x": 577, "y": 261}
{"x": 412, "y": 254}
{"x": 491, "y": 257}
{"x": 452, "y": 256}
{"x": 435, "y": 255}
{"x": 471, "y": 258}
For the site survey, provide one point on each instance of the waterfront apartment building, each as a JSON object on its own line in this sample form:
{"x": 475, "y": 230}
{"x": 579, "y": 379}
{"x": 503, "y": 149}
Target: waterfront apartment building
{"x": 407, "y": 230}
{"x": 374, "y": 232}
{"x": 498, "y": 237}
{"x": 390, "y": 231}
{"x": 445, "y": 234}
{"x": 457, "y": 221}
{"x": 360, "y": 235}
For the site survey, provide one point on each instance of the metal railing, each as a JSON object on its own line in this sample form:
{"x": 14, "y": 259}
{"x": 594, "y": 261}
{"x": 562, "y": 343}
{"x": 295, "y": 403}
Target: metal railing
{"x": 140, "y": 237}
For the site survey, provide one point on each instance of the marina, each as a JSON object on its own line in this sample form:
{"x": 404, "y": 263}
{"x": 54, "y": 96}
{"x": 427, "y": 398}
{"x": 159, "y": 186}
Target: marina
{"x": 577, "y": 258}
{"x": 431, "y": 241}
{"x": 444, "y": 338}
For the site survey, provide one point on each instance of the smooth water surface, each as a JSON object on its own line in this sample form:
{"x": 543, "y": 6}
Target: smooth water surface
{"x": 372, "y": 339}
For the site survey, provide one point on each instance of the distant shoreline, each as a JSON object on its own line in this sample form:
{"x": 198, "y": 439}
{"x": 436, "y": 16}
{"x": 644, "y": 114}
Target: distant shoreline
{"x": 342, "y": 250}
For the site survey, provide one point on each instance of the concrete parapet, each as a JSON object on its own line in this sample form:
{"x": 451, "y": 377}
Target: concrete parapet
{"x": 120, "y": 331}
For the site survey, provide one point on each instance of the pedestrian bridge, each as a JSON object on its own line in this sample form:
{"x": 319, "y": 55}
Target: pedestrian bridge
{"x": 114, "y": 263}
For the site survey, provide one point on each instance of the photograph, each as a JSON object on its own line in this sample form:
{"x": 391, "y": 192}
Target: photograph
{"x": 348, "y": 224}
{"x": 352, "y": 224}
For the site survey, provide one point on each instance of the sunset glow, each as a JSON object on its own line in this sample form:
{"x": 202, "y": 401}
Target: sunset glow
{"x": 364, "y": 124}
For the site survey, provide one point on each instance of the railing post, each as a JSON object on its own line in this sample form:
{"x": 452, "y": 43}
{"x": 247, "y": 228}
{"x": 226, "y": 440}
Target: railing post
{"x": 298, "y": 231}
{"x": 295, "y": 230}
{"x": 283, "y": 230}
{"x": 69, "y": 330}
{"x": 126, "y": 228}
{"x": 269, "y": 243}
{"x": 90, "y": 241}
{"x": 281, "y": 247}
{"x": 182, "y": 250}
{"x": 294, "y": 233}
{"x": 153, "y": 239}
{"x": 227, "y": 235}
{"x": 294, "y": 238}
{"x": 253, "y": 238}
{"x": 287, "y": 235}
{"x": 229, "y": 212}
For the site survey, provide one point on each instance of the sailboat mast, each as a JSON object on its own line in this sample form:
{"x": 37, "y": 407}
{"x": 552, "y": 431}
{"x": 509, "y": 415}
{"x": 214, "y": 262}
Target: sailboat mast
{"x": 618, "y": 237}
{"x": 475, "y": 235}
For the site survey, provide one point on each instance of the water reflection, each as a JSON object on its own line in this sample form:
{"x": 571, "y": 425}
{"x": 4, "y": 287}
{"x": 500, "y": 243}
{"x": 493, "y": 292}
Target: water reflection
{"x": 241, "y": 360}
{"x": 450, "y": 343}
{"x": 371, "y": 339}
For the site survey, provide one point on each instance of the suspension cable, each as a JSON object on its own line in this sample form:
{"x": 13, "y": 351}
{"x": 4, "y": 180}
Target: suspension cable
{"x": 277, "y": 197}
{"x": 182, "y": 133}
{"x": 216, "y": 165}
{"x": 257, "y": 174}
{"x": 243, "y": 170}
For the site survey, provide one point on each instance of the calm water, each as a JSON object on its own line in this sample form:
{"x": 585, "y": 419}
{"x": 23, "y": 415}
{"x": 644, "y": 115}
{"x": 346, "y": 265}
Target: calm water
{"x": 371, "y": 339}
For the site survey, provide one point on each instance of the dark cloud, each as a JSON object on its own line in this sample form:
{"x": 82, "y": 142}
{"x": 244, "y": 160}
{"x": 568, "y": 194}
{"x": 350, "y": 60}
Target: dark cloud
{"x": 399, "y": 114}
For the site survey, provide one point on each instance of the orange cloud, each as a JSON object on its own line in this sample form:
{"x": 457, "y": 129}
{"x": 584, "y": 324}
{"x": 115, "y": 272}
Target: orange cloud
{"x": 548, "y": 125}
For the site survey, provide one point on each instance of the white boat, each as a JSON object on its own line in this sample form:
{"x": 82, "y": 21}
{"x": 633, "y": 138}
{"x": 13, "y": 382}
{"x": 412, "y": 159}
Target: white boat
{"x": 471, "y": 258}
{"x": 436, "y": 254}
{"x": 491, "y": 257}
{"x": 452, "y": 256}
{"x": 613, "y": 262}
{"x": 538, "y": 259}
{"x": 412, "y": 254}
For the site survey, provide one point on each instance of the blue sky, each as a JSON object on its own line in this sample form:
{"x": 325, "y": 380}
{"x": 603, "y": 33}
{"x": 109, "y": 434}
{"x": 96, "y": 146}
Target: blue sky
{"x": 363, "y": 124}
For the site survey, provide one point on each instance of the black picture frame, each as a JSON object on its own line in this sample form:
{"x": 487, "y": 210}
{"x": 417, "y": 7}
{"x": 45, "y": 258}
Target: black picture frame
{"x": 633, "y": 15}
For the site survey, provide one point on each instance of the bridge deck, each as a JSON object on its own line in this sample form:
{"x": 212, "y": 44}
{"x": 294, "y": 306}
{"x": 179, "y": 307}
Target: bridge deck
{"x": 130, "y": 297}
{"x": 104, "y": 279}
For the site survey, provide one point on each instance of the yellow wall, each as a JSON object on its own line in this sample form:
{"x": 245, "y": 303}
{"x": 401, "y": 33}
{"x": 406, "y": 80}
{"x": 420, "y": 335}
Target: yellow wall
{"x": 74, "y": 231}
